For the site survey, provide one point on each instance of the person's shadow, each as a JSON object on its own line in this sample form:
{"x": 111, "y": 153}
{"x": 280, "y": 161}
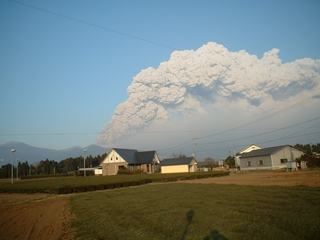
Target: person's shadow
{"x": 190, "y": 216}
{"x": 214, "y": 235}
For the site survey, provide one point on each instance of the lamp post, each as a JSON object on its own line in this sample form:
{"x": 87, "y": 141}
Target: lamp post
{"x": 12, "y": 151}
{"x": 17, "y": 169}
{"x": 84, "y": 162}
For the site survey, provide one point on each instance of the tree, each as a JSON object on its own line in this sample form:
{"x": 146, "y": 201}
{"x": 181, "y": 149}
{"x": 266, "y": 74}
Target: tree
{"x": 210, "y": 163}
{"x": 230, "y": 161}
{"x": 312, "y": 160}
{"x": 181, "y": 155}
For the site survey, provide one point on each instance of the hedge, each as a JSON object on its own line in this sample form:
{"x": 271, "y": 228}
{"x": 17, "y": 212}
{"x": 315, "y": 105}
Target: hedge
{"x": 29, "y": 186}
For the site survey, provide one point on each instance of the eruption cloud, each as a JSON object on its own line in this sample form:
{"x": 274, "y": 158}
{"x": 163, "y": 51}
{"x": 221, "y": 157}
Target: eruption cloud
{"x": 193, "y": 81}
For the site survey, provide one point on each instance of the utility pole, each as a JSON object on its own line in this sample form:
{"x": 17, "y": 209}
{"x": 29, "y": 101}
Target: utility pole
{"x": 18, "y": 169}
{"x": 195, "y": 147}
{"x": 12, "y": 153}
{"x": 234, "y": 156}
{"x": 84, "y": 162}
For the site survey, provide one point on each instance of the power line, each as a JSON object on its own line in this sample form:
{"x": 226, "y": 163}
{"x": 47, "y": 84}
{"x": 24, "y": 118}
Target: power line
{"x": 95, "y": 25}
{"x": 265, "y": 117}
{"x": 254, "y": 121}
{"x": 44, "y": 134}
{"x": 276, "y": 130}
{"x": 273, "y": 140}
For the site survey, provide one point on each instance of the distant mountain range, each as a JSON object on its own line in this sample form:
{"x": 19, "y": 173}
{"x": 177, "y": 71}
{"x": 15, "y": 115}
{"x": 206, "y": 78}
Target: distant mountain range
{"x": 33, "y": 155}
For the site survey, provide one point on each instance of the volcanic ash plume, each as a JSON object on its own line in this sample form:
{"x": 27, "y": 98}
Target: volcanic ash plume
{"x": 192, "y": 80}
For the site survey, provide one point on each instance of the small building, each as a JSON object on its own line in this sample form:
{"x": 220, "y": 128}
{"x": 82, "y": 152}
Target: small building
{"x": 118, "y": 158}
{"x": 98, "y": 171}
{"x": 178, "y": 165}
{"x": 243, "y": 151}
{"x": 269, "y": 158}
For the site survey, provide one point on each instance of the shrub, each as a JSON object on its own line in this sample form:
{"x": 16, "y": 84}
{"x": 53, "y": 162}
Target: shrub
{"x": 101, "y": 187}
{"x": 110, "y": 186}
{"x": 125, "y": 184}
{"x": 44, "y": 176}
{"x": 90, "y": 188}
{"x": 79, "y": 189}
{"x": 125, "y": 171}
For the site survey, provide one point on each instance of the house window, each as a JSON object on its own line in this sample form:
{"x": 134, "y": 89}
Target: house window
{"x": 284, "y": 160}
{"x": 116, "y": 158}
{"x": 260, "y": 162}
{"x": 122, "y": 167}
{"x": 111, "y": 158}
{"x": 249, "y": 163}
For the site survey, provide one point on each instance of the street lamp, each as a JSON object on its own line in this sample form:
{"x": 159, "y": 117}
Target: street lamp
{"x": 84, "y": 162}
{"x": 17, "y": 169}
{"x": 12, "y": 151}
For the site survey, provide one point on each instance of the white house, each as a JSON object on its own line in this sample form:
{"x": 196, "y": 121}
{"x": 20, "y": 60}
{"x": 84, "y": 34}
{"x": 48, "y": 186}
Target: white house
{"x": 178, "y": 165}
{"x": 269, "y": 158}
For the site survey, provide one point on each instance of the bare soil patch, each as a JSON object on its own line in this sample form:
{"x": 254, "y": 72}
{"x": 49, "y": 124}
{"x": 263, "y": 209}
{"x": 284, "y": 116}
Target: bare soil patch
{"x": 35, "y": 216}
{"x": 44, "y": 216}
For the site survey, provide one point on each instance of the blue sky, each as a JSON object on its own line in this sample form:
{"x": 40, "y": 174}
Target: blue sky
{"x": 66, "y": 65}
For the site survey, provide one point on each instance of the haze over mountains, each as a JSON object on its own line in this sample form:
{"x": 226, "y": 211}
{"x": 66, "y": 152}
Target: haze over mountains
{"x": 33, "y": 155}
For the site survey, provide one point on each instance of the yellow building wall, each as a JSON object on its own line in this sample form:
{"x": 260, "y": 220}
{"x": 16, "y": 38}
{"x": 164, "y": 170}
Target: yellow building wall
{"x": 175, "y": 169}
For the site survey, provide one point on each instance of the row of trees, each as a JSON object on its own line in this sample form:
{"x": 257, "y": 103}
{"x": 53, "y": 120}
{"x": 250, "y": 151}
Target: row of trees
{"x": 51, "y": 166}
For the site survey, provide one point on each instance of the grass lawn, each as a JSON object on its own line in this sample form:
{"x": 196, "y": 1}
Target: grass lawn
{"x": 198, "y": 211}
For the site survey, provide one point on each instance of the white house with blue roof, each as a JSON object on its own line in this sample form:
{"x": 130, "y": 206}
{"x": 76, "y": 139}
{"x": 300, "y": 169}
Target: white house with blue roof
{"x": 118, "y": 158}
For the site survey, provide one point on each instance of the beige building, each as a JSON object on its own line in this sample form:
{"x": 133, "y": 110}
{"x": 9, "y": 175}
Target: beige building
{"x": 269, "y": 158}
{"x": 178, "y": 165}
{"x": 147, "y": 161}
{"x": 243, "y": 151}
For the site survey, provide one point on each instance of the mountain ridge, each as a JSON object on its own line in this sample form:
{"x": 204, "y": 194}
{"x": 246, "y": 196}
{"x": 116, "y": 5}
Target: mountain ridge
{"x": 33, "y": 154}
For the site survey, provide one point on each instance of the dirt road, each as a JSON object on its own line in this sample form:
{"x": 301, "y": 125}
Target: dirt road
{"x": 43, "y": 216}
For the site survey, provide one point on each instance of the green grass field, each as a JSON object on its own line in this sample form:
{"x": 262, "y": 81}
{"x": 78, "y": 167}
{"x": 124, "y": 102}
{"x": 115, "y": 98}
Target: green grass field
{"x": 198, "y": 211}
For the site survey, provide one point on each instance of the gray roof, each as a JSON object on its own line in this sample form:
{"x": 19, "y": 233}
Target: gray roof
{"x": 146, "y": 157}
{"x": 127, "y": 154}
{"x": 132, "y": 156}
{"x": 263, "y": 151}
{"x": 176, "y": 161}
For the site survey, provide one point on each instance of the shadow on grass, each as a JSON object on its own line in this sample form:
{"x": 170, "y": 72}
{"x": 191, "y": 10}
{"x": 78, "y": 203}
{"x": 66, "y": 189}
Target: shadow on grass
{"x": 190, "y": 216}
{"x": 214, "y": 235}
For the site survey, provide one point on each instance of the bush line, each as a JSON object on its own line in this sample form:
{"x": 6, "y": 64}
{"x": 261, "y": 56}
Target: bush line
{"x": 88, "y": 188}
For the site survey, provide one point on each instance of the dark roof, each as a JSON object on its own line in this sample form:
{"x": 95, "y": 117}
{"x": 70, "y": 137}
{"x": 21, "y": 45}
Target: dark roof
{"x": 176, "y": 161}
{"x": 145, "y": 157}
{"x": 127, "y": 154}
{"x": 132, "y": 156}
{"x": 263, "y": 151}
